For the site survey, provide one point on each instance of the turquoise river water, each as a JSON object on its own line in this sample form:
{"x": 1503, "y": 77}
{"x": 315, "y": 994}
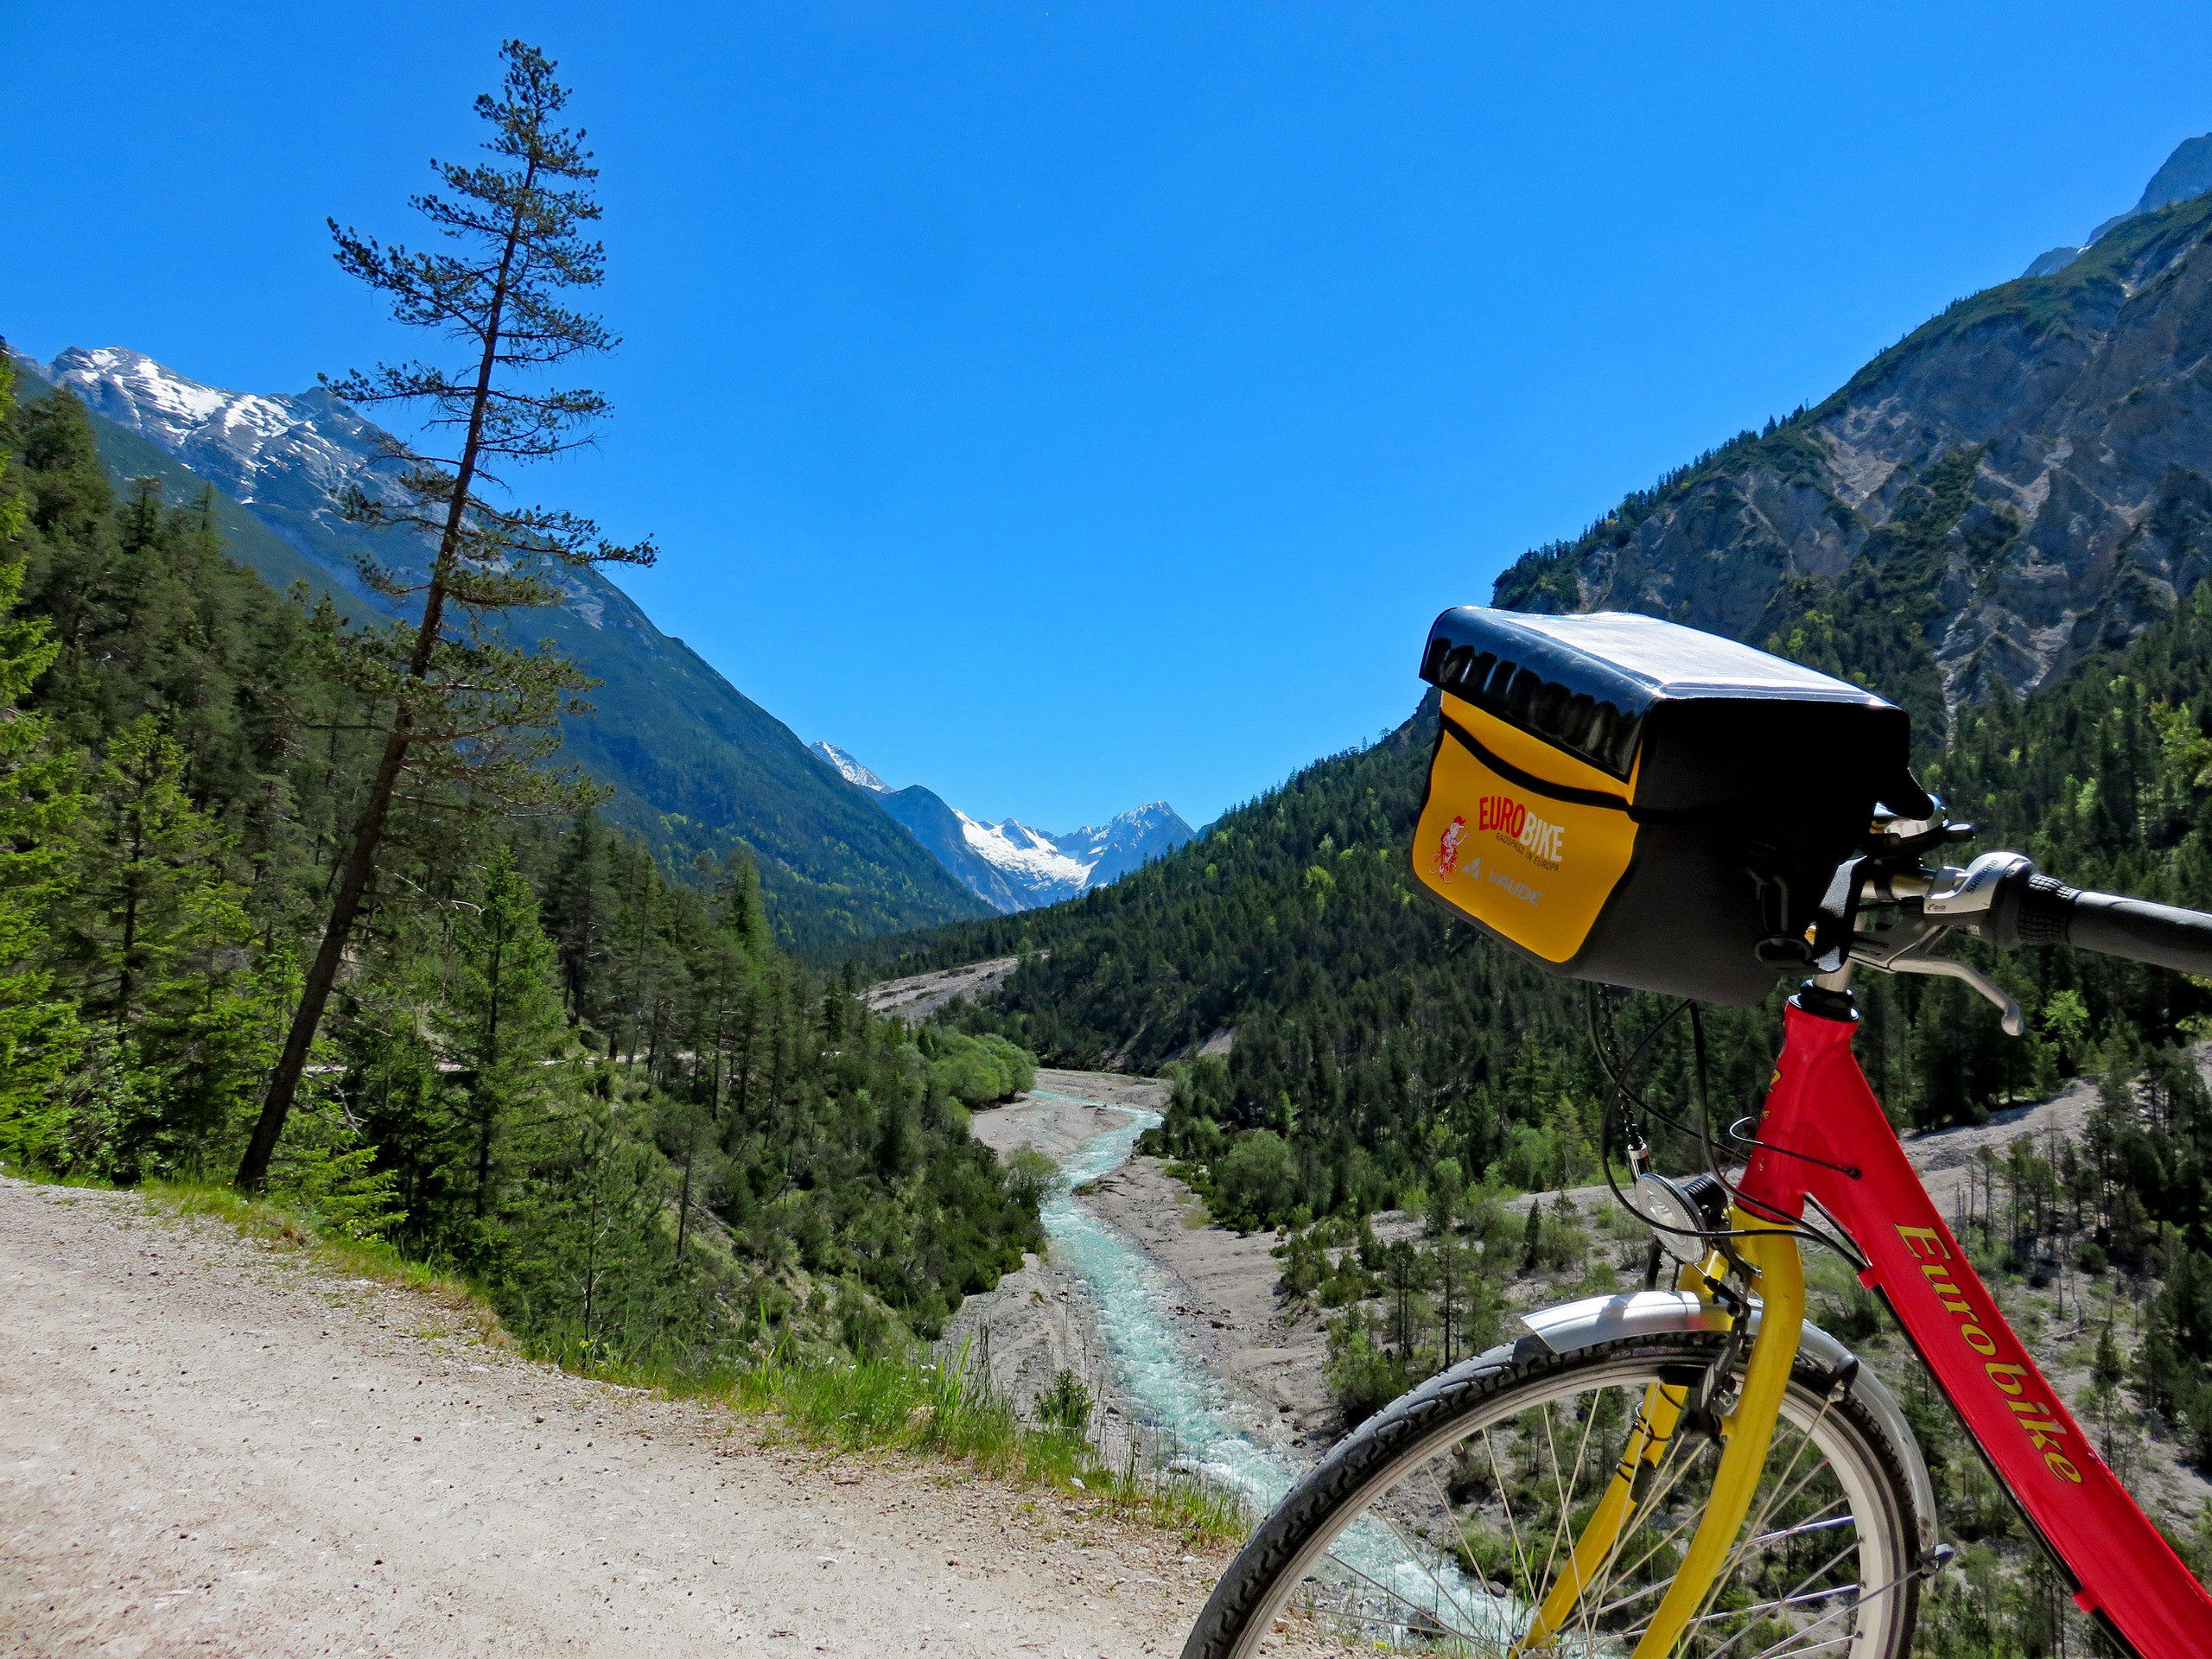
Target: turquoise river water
{"x": 1164, "y": 1381}
{"x": 1166, "y": 1384}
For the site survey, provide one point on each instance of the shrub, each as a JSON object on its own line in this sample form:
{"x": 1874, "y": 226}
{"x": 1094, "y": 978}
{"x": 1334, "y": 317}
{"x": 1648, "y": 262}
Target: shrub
{"x": 1067, "y": 1404}
{"x": 1256, "y": 1184}
{"x": 976, "y": 1071}
{"x": 1364, "y": 1375}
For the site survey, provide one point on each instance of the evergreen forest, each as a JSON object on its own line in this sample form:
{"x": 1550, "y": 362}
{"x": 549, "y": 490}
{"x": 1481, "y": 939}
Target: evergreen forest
{"x": 602, "y": 1093}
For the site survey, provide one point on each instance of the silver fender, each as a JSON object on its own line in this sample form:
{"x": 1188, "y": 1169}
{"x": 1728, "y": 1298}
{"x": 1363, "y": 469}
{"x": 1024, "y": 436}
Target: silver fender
{"x": 1574, "y": 1325}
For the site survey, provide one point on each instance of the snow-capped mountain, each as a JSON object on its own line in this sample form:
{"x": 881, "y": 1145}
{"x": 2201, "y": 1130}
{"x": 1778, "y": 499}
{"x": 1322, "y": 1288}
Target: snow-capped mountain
{"x": 297, "y": 449}
{"x": 696, "y": 767}
{"x": 1008, "y": 865}
{"x": 284, "y": 455}
{"x": 849, "y": 769}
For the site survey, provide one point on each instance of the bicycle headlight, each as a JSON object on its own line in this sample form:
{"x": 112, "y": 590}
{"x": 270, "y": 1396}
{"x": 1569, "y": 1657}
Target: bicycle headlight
{"x": 1673, "y": 1216}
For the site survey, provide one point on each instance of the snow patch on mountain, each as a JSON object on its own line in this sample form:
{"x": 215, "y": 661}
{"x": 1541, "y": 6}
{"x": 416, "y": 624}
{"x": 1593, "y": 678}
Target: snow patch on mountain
{"x": 245, "y": 441}
{"x": 289, "y": 457}
{"x": 1030, "y": 859}
{"x": 849, "y": 769}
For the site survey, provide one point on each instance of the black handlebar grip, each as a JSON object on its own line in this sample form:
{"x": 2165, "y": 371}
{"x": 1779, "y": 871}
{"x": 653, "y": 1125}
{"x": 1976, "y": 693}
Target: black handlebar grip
{"x": 2159, "y": 934}
{"x": 2028, "y": 909}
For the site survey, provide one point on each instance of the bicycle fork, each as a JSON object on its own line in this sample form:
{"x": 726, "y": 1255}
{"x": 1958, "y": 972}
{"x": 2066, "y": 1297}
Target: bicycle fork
{"x": 1746, "y": 1433}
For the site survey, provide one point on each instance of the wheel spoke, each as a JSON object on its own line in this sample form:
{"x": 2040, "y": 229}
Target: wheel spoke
{"x": 1392, "y": 1594}
{"x": 1565, "y": 1519}
{"x": 1513, "y": 1530}
{"x": 1795, "y": 1596}
{"x": 1665, "y": 1476}
{"x": 1776, "y": 1497}
{"x": 1441, "y": 1555}
{"x": 1890, "y": 1588}
{"x": 1689, "y": 1463}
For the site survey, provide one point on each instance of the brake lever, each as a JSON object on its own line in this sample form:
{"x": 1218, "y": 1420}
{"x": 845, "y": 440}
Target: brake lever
{"x": 1914, "y": 959}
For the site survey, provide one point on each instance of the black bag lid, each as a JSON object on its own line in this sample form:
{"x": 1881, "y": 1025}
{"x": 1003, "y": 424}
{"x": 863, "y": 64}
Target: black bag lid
{"x": 1588, "y": 683}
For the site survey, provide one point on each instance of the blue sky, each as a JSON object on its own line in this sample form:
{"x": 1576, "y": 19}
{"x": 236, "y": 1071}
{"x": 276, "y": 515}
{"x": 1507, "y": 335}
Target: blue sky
{"x": 1070, "y": 406}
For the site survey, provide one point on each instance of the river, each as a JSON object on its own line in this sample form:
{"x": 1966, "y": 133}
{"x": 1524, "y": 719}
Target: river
{"x": 1163, "y": 1382}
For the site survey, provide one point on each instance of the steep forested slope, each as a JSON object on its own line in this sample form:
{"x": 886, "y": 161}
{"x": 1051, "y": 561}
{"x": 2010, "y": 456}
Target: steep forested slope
{"x": 696, "y": 767}
{"x": 610, "y": 1098}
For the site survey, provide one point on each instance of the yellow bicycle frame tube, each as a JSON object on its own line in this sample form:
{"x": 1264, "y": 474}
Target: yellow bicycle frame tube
{"x": 1749, "y": 1431}
{"x": 1772, "y": 1253}
{"x": 1648, "y": 1441}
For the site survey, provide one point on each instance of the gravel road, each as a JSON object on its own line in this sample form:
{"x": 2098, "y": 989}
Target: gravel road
{"x": 209, "y": 1445}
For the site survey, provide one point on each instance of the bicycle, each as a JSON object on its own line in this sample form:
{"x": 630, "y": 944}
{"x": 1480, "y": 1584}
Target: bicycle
{"x": 1694, "y": 1467}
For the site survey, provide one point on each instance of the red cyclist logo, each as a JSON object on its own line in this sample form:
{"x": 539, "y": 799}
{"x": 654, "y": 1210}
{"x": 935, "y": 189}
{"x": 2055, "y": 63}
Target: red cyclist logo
{"x": 1447, "y": 848}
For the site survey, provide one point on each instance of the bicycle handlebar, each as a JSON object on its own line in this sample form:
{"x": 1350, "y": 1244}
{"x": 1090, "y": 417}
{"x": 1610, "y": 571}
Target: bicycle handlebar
{"x": 2025, "y": 908}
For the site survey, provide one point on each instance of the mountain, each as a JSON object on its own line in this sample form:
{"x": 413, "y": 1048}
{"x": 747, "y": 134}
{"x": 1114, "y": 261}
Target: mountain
{"x": 957, "y": 841}
{"x": 2021, "y": 481}
{"x": 1127, "y": 842}
{"x": 1008, "y": 865}
{"x": 695, "y": 766}
{"x": 2187, "y": 173}
{"x": 849, "y": 769}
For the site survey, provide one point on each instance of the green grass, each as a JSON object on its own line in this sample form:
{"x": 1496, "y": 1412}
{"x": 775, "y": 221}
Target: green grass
{"x": 895, "y": 1406}
{"x": 931, "y": 1410}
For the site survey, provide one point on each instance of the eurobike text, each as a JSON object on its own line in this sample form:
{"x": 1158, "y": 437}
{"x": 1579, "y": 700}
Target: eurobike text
{"x": 2033, "y": 1417}
{"x": 1543, "y": 840}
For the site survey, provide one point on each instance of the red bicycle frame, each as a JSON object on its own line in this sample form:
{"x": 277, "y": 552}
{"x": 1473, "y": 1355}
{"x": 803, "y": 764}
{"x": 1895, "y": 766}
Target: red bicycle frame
{"x": 1823, "y": 1136}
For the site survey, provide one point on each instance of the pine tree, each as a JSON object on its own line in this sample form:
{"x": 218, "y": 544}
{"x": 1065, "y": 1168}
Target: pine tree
{"x": 38, "y": 1033}
{"x": 579, "y": 909}
{"x": 471, "y": 717}
{"x": 165, "y": 961}
{"x": 504, "y": 1023}
{"x": 597, "y": 1273}
{"x": 145, "y": 854}
{"x": 413, "y": 1113}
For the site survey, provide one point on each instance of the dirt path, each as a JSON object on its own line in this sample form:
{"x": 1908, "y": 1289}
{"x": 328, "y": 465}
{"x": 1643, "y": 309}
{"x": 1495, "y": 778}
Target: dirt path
{"x": 208, "y": 1446}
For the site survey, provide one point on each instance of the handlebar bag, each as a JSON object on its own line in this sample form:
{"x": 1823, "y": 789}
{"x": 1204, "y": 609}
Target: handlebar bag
{"x": 1623, "y": 799}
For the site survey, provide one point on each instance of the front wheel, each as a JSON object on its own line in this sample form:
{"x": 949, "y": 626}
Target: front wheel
{"x": 1446, "y": 1523}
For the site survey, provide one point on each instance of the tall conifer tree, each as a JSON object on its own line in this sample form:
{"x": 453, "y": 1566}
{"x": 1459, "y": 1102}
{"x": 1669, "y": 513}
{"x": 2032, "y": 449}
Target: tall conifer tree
{"x": 472, "y": 717}
{"x": 38, "y": 1033}
{"x": 505, "y": 1021}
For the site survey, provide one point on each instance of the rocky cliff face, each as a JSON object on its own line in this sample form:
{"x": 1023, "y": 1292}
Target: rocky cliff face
{"x": 2021, "y": 481}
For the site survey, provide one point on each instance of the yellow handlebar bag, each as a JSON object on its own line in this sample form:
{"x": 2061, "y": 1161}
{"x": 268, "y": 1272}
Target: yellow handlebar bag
{"x": 1628, "y": 800}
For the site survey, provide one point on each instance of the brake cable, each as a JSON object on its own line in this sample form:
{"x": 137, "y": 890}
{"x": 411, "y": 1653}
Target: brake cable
{"x": 1621, "y": 1096}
